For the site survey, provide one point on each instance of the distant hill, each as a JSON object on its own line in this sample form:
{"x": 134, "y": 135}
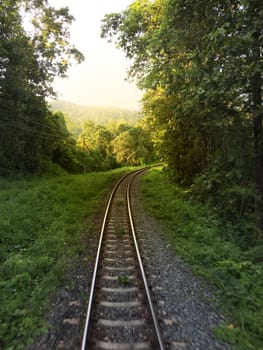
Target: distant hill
{"x": 76, "y": 115}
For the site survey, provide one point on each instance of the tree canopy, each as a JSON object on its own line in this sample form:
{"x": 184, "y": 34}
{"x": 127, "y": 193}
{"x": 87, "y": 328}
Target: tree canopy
{"x": 116, "y": 144}
{"x": 76, "y": 115}
{"x": 29, "y": 61}
{"x": 200, "y": 63}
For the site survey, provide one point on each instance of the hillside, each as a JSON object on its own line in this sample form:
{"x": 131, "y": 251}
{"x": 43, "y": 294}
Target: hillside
{"x": 76, "y": 115}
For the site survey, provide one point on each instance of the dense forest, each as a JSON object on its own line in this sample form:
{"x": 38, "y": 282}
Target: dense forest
{"x": 200, "y": 66}
{"x": 33, "y": 138}
{"x": 29, "y": 62}
{"x": 106, "y": 137}
{"x": 200, "y": 63}
{"x": 76, "y": 115}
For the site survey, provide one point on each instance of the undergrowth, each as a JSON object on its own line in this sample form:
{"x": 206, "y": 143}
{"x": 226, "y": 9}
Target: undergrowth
{"x": 211, "y": 246}
{"x": 42, "y": 225}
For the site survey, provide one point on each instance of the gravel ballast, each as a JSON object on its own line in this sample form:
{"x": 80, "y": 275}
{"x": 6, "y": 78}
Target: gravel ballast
{"x": 183, "y": 301}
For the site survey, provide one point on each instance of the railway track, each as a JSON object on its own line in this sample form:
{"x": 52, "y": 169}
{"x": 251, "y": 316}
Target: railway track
{"x": 120, "y": 313}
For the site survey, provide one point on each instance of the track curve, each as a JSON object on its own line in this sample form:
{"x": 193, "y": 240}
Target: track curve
{"x": 120, "y": 312}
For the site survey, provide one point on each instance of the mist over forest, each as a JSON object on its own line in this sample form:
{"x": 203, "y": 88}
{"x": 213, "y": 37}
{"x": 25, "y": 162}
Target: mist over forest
{"x": 76, "y": 115}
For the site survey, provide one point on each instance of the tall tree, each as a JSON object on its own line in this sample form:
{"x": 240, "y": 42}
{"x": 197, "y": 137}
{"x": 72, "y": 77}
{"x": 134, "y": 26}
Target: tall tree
{"x": 29, "y": 61}
{"x": 202, "y": 61}
{"x": 253, "y": 20}
{"x": 133, "y": 147}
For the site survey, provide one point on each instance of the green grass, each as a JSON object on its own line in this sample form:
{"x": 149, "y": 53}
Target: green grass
{"x": 198, "y": 235}
{"x": 42, "y": 228}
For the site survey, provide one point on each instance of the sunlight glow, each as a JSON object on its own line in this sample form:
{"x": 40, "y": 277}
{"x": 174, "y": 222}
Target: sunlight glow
{"x": 100, "y": 79}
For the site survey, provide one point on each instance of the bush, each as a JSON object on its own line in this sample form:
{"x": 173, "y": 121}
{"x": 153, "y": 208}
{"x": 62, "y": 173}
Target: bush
{"x": 42, "y": 224}
{"x": 219, "y": 250}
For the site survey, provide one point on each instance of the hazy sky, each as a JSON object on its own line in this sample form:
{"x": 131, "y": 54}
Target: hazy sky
{"x": 100, "y": 79}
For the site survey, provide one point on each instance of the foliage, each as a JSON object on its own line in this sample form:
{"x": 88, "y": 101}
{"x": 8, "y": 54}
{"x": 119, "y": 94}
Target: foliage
{"x": 133, "y": 147}
{"x": 124, "y": 280}
{"x": 199, "y": 63}
{"x": 77, "y": 115}
{"x": 213, "y": 248}
{"x": 29, "y": 61}
{"x": 116, "y": 144}
{"x": 107, "y": 137}
{"x": 50, "y": 39}
{"x": 43, "y": 224}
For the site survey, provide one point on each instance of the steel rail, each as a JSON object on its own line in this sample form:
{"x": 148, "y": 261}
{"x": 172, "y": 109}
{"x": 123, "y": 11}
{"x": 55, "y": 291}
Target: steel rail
{"x": 156, "y": 325}
{"x": 92, "y": 289}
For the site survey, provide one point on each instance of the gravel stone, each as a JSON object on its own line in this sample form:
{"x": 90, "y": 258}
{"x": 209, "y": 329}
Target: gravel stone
{"x": 183, "y": 301}
{"x": 69, "y": 304}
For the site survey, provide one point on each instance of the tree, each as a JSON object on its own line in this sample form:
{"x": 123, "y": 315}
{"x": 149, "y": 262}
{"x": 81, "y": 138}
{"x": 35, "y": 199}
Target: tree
{"x": 28, "y": 65}
{"x": 132, "y": 147}
{"x": 95, "y": 137}
{"x": 51, "y": 41}
{"x": 95, "y": 141}
{"x": 254, "y": 17}
{"x": 202, "y": 62}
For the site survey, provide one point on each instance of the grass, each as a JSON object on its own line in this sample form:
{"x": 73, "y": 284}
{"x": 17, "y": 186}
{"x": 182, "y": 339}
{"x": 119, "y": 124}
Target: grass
{"x": 198, "y": 235}
{"x": 124, "y": 280}
{"x": 42, "y": 228}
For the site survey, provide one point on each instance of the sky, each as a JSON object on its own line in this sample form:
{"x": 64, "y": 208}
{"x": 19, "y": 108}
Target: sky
{"x": 100, "y": 79}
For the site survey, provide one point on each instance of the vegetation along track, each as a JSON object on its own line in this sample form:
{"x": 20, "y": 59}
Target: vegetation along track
{"x": 120, "y": 312}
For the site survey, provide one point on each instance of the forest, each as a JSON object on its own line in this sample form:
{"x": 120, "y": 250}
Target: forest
{"x": 76, "y": 115}
{"x": 34, "y": 139}
{"x": 200, "y": 66}
{"x": 106, "y": 137}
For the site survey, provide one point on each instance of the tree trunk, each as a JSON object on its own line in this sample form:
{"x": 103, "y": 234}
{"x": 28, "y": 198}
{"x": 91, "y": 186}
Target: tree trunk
{"x": 257, "y": 118}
